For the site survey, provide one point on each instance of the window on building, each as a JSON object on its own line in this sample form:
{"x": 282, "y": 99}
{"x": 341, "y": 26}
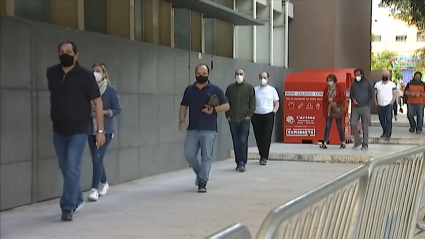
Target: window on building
{"x": 95, "y": 16}
{"x": 420, "y": 37}
{"x": 209, "y": 36}
{"x": 401, "y": 38}
{"x": 377, "y": 38}
{"x": 138, "y": 34}
{"x": 182, "y": 28}
{"x": 38, "y": 10}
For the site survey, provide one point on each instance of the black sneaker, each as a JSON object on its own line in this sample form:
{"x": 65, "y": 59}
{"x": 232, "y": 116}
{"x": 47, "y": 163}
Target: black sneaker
{"x": 202, "y": 187}
{"x": 241, "y": 168}
{"x": 364, "y": 147}
{"x": 418, "y": 131}
{"x": 66, "y": 216}
{"x": 263, "y": 161}
{"x": 382, "y": 136}
{"x": 411, "y": 130}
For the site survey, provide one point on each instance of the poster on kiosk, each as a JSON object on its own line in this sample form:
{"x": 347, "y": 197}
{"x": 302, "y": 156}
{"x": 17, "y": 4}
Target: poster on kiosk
{"x": 303, "y": 119}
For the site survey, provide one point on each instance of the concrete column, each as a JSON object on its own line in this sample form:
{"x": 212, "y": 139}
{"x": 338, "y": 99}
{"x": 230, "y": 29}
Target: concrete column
{"x": 118, "y": 18}
{"x": 59, "y": 16}
{"x": 196, "y": 31}
{"x": 7, "y": 7}
{"x": 151, "y": 23}
{"x": 244, "y": 35}
{"x": 166, "y": 24}
{"x": 279, "y": 39}
{"x": 223, "y": 34}
{"x": 263, "y": 34}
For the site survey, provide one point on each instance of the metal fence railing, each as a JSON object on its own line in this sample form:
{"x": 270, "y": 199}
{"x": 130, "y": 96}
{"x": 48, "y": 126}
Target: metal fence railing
{"x": 237, "y": 231}
{"x": 380, "y": 199}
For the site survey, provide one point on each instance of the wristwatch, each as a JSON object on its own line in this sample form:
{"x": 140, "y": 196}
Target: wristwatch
{"x": 101, "y": 131}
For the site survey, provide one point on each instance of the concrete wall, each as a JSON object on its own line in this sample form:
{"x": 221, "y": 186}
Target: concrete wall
{"x": 151, "y": 80}
{"x": 330, "y": 34}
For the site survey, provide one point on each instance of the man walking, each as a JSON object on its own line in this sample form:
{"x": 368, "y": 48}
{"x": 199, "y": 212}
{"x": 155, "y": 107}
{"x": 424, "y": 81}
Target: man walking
{"x": 386, "y": 94}
{"x": 204, "y": 101}
{"x": 72, "y": 89}
{"x": 415, "y": 92}
{"x": 362, "y": 95}
{"x": 401, "y": 87}
{"x": 241, "y": 96}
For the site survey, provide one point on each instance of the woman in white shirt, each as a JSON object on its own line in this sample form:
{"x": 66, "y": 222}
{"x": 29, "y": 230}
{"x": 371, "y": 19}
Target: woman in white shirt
{"x": 267, "y": 104}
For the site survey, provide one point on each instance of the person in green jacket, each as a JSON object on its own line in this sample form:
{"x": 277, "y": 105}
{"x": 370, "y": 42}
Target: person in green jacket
{"x": 241, "y": 96}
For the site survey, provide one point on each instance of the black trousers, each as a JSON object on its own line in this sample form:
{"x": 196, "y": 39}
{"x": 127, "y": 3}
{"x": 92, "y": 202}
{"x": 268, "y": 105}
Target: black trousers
{"x": 263, "y": 128}
{"x": 395, "y": 107}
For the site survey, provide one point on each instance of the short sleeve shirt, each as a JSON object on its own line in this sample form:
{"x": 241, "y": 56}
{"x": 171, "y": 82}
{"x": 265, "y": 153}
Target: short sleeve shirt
{"x": 384, "y": 92}
{"x": 265, "y": 97}
{"x": 70, "y": 99}
{"x": 196, "y": 99}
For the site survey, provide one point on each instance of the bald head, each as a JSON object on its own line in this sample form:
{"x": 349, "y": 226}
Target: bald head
{"x": 386, "y": 73}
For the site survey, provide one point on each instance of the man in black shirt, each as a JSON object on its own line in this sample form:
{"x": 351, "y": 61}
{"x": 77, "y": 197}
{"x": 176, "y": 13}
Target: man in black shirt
{"x": 72, "y": 90}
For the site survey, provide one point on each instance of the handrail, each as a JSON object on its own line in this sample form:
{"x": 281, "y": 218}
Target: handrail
{"x": 275, "y": 217}
{"x": 237, "y": 231}
{"x": 362, "y": 193}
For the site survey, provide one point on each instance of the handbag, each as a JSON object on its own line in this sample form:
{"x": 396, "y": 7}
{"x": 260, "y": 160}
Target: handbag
{"x": 337, "y": 111}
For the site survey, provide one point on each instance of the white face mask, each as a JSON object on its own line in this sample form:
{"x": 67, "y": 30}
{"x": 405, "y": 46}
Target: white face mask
{"x": 263, "y": 81}
{"x": 98, "y": 76}
{"x": 239, "y": 79}
{"x": 358, "y": 78}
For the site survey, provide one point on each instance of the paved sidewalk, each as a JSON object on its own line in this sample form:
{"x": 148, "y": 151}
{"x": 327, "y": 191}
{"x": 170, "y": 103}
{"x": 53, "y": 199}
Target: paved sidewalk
{"x": 168, "y": 206}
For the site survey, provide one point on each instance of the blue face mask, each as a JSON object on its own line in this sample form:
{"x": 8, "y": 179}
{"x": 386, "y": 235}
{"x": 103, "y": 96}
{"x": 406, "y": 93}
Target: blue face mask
{"x": 330, "y": 83}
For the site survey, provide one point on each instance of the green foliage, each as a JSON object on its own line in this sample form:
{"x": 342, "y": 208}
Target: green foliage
{"x": 420, "y": 65}
{"x": 381, "y": 61}
{"x": 410, "y": 11}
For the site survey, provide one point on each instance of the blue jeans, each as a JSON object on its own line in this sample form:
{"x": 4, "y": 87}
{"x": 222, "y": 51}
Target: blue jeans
{"x": 240, "y": 133}
{"x": 97, "y": 156}
{"x": 69, "y": 150}
{"x": 418, "y": 111}
{"x": 204, "y": 140}
{"x": 385, "y": 114}
{"x": 328, "y": 129}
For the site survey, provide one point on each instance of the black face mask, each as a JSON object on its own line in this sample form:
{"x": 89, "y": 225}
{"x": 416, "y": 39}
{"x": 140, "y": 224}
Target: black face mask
{"x": 384, "y": 78}
{"x": 201, "y": 79}
{"x": 66, "y": 60}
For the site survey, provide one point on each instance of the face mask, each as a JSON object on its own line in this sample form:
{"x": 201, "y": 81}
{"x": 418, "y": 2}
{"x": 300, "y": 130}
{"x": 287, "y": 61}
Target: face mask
{"x": 358, "y": 78}
{"x": 384, "y": 78}
{"x": 330, "y": 83}
{"x": 239, "y": 79}
{"x": 263, "y": 81}
{"x": 201, "y": 79}
{"x": 66, "y": 60}
{"x": 98, "y": 76}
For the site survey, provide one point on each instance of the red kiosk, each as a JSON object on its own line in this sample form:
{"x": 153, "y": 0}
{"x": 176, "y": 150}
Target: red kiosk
{"x": 303, "y": 109}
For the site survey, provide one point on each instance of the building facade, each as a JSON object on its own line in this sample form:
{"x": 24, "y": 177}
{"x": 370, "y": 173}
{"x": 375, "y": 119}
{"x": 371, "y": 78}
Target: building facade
{"x": 151, "y": 49}
{"x": 393, "y": 35}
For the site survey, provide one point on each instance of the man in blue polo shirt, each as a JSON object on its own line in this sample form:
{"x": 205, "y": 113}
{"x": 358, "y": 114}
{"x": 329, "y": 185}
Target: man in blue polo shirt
{"x": 202, "y": 130}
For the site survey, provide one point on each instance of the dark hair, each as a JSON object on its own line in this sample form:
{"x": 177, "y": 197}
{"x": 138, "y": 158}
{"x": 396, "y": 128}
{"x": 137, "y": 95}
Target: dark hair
{"x": 268, "y": 76}
{"x": 208, "y": 69}
{"x": 332, "y": 77}
{"x": 359, "y": 70}
{"x": 417, "y": 73}
{"x": 74, "y": 47}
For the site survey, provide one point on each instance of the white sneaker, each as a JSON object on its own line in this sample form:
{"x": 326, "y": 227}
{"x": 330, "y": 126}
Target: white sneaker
{"x": 79, "y": 207}
{"x": 103, "y": 189}
{"x": 94, "y": 195}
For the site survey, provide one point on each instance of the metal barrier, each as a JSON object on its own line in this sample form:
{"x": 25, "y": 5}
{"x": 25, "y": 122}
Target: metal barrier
{"x": 237, "y": 231}
{"x": 380, "y": 199}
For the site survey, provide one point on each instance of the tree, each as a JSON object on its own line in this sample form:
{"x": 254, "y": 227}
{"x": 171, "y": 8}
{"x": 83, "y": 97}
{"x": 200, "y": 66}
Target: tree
{"x": 420, "y": 64}
{"x": 382, "y": 61}
{"x": 410, "y": 11}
